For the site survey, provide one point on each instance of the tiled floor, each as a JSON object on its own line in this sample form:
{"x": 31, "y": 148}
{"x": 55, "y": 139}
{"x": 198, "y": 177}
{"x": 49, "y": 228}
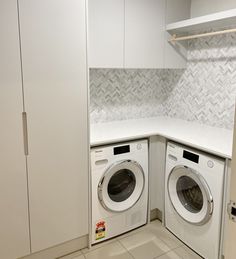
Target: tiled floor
{"x": 149, "y": 242}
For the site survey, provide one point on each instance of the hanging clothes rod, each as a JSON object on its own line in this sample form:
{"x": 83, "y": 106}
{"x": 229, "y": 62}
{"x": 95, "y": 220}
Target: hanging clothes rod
{"x": 174, "y": 37}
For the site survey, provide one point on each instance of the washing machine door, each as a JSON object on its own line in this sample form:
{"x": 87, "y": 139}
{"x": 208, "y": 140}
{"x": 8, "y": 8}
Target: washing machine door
{"x": 121, "y": 186}
{"x": 190, "y": 195}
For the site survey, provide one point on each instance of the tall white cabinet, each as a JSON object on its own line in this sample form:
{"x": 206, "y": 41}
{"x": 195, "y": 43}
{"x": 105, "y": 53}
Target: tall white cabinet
{"x": 53, "y": 39}
{"x": 43, "y": 193}
{"x": 14, "y": 222}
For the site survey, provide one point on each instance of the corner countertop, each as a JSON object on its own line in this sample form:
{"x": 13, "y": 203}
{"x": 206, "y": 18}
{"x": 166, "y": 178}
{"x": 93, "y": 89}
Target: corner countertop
{"x": 213, "y": 140}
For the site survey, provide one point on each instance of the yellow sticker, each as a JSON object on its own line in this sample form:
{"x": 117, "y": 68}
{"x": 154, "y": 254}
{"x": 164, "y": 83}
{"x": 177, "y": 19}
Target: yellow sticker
{"x": 100, "y": 230}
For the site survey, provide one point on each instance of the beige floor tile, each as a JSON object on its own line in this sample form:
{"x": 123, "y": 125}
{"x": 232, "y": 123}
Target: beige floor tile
{"x": 170, "y": 255}
{"x": 79, "y": 257}
{"x": 156, "y": 223}
{"x": 99, "y": 245}
{"x": 112, "y": 250}
{"x": 72, "y": 255}
{"x": 186, "y": 253}
{"x": 76, "y": 255}
{"x": 132, "y": 232}
{"x": 162, "y": 233}
{"x": 144, "y": 245}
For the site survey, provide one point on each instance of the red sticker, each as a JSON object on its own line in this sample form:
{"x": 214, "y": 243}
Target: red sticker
{"x": 100, "y": 231}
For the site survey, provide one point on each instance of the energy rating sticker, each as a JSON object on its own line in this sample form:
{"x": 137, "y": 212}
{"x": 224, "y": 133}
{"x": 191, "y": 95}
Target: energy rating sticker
{"x": 100, "y": 230}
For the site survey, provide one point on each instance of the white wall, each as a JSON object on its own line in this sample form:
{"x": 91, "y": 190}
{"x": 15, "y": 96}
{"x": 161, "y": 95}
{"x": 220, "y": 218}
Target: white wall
{"x": 203, "y": 7}
{"x": 177, "y": 10}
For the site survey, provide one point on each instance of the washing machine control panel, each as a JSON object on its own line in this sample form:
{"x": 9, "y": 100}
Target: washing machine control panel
{"x": 191, "y": 156}
{"x": 132, "y": 147}
{"x": 121, "y": 150}
{"x": 101, "y": 156}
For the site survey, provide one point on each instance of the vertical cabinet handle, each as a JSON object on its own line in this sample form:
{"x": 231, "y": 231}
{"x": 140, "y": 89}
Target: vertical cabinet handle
{"x": 25, "y": 133}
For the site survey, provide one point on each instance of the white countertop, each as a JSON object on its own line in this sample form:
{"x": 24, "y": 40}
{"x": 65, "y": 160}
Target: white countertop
{"x": 217, "y": 141}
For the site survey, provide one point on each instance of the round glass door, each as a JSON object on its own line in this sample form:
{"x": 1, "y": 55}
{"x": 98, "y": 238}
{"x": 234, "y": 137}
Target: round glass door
{"x": 190, "y": 195}
{"x": 121, "y": 186}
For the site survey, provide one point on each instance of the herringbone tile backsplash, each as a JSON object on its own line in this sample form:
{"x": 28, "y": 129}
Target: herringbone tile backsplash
{"x": 204, "y": 92}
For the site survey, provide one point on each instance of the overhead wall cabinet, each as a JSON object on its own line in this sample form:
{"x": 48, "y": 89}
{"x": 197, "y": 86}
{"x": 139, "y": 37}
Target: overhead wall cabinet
{"x": 144, "y": 23}
{"x": 131, "y": 33}
{"x": 53, "y": 82}
{"x": 106, "y": 33}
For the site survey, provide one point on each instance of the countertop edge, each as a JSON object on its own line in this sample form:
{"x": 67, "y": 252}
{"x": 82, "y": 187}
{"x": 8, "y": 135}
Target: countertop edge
{"x": 131, "y": 137}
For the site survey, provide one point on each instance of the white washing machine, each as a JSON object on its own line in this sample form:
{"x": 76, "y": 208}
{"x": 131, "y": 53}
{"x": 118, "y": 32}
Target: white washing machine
{"x": 193, "y": 198}
{"x": 119, "y": 189}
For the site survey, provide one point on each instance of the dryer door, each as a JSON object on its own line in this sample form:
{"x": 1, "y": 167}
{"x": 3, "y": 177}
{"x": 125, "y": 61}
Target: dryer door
{"x": 190, "y": 195}
{"x": 121, "y": 186}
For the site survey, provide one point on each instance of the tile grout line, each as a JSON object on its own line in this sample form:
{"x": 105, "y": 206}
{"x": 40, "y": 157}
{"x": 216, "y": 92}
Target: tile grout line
{"x": 157, "y": 256}
{"x": 71, "y": 256}
{"x": 183, "y": 245}
{"x": 126, "y": 249}
{"x": 170, "y": 249}
{"x": 120, "y": 242}
{"x": 111, "y": 241}
{"x": 168, "y": 252}
{"x": 180, "y": 245}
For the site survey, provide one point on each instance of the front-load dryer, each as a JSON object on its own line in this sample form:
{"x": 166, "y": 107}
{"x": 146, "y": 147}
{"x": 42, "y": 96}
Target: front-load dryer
{"x": 193, "y": 198}
{"x": 119, "y": 189}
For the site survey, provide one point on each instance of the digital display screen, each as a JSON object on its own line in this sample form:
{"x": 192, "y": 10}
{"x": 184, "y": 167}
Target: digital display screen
{"x": 121, "y": 150}
{"x": 191, "y": 156}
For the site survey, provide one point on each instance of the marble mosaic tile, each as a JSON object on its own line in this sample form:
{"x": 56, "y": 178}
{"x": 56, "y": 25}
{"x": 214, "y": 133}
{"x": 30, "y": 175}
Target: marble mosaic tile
{"x": 205, "y": 91}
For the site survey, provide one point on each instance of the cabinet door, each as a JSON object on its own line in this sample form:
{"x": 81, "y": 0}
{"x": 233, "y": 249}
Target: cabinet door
{"x": 53, "y": 37}
{"x": 14, "y": 223}
{"x": 106, "y": 33}
{"x": 144, "y": 33}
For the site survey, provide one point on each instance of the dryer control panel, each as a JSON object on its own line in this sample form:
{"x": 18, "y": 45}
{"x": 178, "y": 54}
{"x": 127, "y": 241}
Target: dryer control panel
{"x": 180, "y": 154}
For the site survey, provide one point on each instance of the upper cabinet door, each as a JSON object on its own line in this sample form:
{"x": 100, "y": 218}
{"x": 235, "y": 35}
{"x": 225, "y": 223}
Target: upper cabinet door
{"x": 106, "y": 33}
{"x": 144, "y": 33}
{"x": 53, "y": 37}
{"x": 14, "y": 222}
